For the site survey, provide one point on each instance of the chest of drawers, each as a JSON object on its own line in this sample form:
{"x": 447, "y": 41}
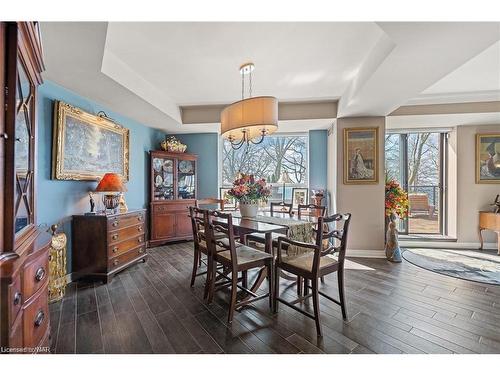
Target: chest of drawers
{"x": 106, "y": 244}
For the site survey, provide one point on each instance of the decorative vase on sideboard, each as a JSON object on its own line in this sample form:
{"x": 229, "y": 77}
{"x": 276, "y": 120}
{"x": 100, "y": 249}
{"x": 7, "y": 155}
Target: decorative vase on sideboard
{"x": 392, "y": 249}
{"x": 248, "y": 209}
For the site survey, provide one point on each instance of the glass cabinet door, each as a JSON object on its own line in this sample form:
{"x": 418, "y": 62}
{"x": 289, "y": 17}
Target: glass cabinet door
{"x": 163, "y": 178}
{"x": 186, "y": 179}
{"x": 23, "y": 199}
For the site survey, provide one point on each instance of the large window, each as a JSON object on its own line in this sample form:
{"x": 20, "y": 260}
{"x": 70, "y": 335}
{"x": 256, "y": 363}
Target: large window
{"x": 270, "y": 159}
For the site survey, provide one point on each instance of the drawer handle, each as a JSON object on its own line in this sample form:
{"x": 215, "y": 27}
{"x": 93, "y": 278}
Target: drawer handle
{"x": 17, "y": 298}
{"x": 115, "y": 249}
{"x": 141, "y": 251}
{"x": 115, "y": 236}
{"x": 139, "y": 229}
{"x": 40, "y": 317}
{"x": 40, "y": 274}
{"x": 115, "y": 262}
{"x": 139, "y": 218}
{"x": 115, "y": 223}
{"x": 139, "y": 240}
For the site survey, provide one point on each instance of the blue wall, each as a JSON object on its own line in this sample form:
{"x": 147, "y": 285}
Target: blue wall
{"x": 205, "y": 145}
{"x": 318, "y": 155}
{"x": 58, "y": 200}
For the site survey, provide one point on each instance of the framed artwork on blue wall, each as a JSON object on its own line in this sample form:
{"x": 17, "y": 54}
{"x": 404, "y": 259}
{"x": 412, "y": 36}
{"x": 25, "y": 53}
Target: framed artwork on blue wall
{"x": 86, "y": 146}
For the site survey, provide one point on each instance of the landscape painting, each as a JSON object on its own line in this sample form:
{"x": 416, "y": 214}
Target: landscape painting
{"x": 85, "y": 146}
{"x": 488, "y": 158}
{"x": 360, "y": 156}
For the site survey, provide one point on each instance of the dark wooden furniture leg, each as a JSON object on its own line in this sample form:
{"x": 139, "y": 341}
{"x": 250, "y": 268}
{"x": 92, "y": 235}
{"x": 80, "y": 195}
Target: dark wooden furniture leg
{"x": 340, "y": 276}
{"x": 196, "y": 264}
{"x": 315, "y": 296}
{"x": 481, "y": 238}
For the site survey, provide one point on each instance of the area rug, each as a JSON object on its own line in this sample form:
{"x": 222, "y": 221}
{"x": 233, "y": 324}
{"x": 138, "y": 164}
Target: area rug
{"x": 480, "y": 266}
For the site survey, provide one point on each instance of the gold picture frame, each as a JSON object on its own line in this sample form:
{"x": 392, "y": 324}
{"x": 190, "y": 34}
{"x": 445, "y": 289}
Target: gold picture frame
{"x": 487, "y": 158}
{"x": 86, "y": 146}
{"x": 361, "y": 156}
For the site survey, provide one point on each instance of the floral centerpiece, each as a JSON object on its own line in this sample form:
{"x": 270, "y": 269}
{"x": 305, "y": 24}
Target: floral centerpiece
{"x": 249, "y": 192}
{"x": 396, "y": 203}
{"x": 396, "y": 200}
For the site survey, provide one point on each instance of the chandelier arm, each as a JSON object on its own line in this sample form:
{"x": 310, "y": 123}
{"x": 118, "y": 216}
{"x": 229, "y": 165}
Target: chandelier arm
{"x": 262, "y": 136}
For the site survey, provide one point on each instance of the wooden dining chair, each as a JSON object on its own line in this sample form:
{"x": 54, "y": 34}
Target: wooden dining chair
{"x": 235, "y": 260}
{"x": 281, "y": 207}
{"x": 210, "y": 202}
{"x": 199, "y": 218}
{"x": 315, "y": 263}
{"x": 313, "y": 209}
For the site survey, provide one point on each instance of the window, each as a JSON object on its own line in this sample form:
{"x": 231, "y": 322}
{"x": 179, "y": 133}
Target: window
{"x": 269, "y": 159}
{"x": 417, "y": 161}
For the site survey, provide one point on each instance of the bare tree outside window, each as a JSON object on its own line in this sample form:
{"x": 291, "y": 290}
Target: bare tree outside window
{"x": 269, "y": 159}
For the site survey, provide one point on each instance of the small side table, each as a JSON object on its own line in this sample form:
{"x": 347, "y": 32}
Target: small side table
{"x": 490, "y": 221}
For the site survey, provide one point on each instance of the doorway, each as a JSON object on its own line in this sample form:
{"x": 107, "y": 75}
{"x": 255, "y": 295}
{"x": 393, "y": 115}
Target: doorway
{"x": 417, "y": 160}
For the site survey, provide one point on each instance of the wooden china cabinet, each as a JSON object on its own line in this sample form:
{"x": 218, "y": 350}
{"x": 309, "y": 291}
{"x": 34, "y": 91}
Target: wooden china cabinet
{"x": 24, "y": 314}
{"x": 173, "y": 190}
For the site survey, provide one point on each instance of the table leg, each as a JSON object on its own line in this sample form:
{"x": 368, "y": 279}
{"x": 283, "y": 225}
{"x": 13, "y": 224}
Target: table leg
{"x": 481, "y": 238}
{"x": 498, "y": 242}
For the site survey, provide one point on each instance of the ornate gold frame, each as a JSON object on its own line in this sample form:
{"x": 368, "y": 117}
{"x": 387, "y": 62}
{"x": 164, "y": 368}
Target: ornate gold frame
{"x": 346, "y": 158}
{"x": 61, "y": 110}
{"x": 478, "y": 161}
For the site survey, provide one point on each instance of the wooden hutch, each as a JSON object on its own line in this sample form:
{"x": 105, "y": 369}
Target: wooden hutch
{"x": 24, "y": 249}
{"x": 173, "y": 190}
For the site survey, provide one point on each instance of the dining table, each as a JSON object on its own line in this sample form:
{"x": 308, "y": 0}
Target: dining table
{"x": 268, "y": 222}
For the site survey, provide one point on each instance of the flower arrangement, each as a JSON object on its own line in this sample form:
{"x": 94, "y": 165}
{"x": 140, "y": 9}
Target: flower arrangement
{"x": 396, "y": 199}
{"x": 247, "y": 189}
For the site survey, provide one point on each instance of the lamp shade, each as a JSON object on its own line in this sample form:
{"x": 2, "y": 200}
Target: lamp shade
{"x": 254, "y": 115}
{"x": 111, "y": 182}
{"x": 285, "y": 178}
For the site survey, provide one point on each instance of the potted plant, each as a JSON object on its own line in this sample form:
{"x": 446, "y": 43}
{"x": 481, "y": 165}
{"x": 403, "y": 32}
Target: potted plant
{"x": 396, "y": 204}
{"x": 249, "y": 192}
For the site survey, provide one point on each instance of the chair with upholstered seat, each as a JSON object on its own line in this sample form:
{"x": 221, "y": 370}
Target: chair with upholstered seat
{"x": 317, "y": 261}
{"x": 234, "y": 259}
{"x": 198, "y": 224}
{"x": 210, "y": 202}
{"x": 310, "y": 209}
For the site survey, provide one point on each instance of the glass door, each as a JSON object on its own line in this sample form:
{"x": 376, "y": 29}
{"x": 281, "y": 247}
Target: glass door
{"x": 163, "y": 178}
{"x": 186, "y": 179}
{"x": 416, "y": 160}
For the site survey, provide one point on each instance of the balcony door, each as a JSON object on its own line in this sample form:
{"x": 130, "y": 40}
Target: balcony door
{"x": 417, "y": 160}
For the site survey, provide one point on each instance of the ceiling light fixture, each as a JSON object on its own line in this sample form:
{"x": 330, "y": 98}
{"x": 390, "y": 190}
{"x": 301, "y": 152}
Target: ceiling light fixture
{"x": 249, "y": 120}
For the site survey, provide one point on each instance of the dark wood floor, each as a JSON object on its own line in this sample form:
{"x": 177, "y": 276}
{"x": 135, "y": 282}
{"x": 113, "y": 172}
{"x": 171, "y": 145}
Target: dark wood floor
{"x": 393, "y": 308}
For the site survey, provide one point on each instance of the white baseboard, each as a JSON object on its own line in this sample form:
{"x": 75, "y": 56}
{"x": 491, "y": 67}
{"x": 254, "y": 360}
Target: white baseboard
{"x": 448, "y": 245}
{"x": 353, "y": 253}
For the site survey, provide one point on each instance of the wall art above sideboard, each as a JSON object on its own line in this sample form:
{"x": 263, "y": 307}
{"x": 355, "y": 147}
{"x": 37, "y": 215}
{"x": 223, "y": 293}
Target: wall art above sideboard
{"x": 86, "y": 146}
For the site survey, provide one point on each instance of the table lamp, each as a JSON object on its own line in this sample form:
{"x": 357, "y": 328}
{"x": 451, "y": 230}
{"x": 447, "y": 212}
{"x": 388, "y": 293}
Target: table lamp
{"x": 110, "y": 184}
{"x": 284, "y": 179}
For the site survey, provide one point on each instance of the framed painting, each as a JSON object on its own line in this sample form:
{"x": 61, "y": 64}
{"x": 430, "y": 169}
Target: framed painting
{"x": 360, "y": 156}
{"x": 86, "y": 146}
{"x": 299, "y": 196}
{"x": 229, "y": 202}
{"x": 488, "y": 158}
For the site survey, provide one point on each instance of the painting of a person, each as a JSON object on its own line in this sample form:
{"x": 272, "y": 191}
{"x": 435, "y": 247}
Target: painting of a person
{"x": 358, "y": 167}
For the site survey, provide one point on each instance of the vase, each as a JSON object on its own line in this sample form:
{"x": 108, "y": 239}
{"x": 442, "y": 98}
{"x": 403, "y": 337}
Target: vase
{"x": 248, "y": 209}
{"x": 392, "y": 249}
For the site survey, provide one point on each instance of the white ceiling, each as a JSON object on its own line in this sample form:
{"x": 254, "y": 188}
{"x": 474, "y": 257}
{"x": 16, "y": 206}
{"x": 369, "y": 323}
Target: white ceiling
{"x": 147, "y": 70}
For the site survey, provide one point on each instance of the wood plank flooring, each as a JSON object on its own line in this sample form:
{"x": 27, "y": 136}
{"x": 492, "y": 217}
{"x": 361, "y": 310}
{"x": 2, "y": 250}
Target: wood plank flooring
{"x": 393, "y": 308}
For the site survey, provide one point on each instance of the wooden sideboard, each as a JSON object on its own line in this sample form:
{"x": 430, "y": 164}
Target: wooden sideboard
{"x": 173, "y": 190}
{"x": 106, "y": 244}
{"x": 490, "y": 221}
